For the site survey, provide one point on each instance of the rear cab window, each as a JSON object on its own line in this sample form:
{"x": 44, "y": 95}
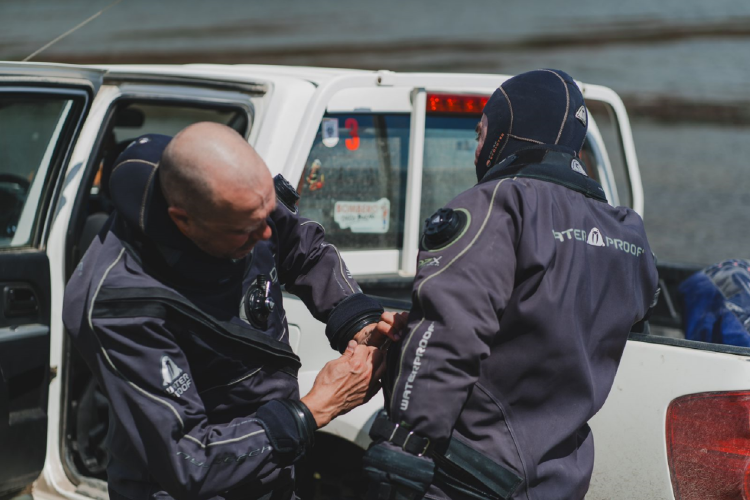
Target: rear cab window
{"x": 448, "y": 162}
{"x": 354, "y": 181}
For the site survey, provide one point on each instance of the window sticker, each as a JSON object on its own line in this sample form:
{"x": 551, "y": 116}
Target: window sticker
{"x": 330, "y": 128}
{"x": 316, "y": 179}
{"x": 363, "y": 216}
{"x": 352, "y": 144}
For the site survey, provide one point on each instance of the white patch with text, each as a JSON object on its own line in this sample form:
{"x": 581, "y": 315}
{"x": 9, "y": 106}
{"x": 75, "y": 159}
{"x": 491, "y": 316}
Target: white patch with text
{"x": 595, "y": 238}
{"x": 416, "y": 365}
{"x": 174, "y": 379}
{"x": 581, "y": 115}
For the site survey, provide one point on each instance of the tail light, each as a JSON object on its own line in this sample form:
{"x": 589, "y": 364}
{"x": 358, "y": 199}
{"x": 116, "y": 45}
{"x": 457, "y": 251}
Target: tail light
{"x": 456, "y": 103}
{"x": 708, "y": 446}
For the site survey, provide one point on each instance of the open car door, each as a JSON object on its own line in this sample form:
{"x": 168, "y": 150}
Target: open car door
{"x": 42, "y": 109}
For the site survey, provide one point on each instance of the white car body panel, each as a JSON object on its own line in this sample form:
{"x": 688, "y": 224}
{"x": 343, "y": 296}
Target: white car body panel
{"x": 54, "y": 479}
{"x": 630, "y": 430}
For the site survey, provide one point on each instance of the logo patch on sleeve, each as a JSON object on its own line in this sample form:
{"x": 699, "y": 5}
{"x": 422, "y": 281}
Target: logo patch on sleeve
{"x": 581, "y": 115}
{"x": 430, "y": 261}
{"x": 576, "y": 166}
{"x": 175, "y": 380}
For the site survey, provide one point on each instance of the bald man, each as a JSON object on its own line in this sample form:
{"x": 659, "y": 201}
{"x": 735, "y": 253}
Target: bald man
{"x": 177, "y": 309}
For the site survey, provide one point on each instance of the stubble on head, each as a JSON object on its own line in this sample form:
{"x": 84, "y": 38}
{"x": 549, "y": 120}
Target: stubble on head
{"x": 217, "y": 187}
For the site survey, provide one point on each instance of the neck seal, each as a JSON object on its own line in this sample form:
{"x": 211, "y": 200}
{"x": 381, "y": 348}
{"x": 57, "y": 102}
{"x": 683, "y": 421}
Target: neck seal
{"x": 549, "y": 164}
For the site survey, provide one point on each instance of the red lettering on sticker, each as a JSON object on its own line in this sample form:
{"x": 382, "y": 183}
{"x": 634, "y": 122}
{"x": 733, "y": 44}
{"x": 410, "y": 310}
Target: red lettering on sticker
{"x": 353, "y": 126}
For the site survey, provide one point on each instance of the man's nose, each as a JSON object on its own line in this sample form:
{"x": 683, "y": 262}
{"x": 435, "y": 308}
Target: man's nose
{"x": 266, "y": 232}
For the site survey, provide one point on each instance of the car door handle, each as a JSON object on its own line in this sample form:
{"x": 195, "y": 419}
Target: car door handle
{"x": 20, "y": 300}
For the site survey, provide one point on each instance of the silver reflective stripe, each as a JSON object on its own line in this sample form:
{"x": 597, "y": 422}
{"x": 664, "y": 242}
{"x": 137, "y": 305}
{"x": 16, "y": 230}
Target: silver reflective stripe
{"x": 237, "y": 381}
{"x": 106, "y": 356}
{"x": 313, "y": 222}
{"x": 141, "y": 390}
{"x": 567, "y": 103}
{"x": 255, "y": 433}
{"x": 341, "y": 265}
{"x": 341, "y": 261}
{"x": 419, "y": 289}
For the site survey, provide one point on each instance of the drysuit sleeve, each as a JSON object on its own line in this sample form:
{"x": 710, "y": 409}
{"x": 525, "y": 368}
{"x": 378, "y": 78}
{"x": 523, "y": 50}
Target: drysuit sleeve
{"x": 313, "y": 270}
{"x": 461, "y": 289}
{"x": 148, "y": 382}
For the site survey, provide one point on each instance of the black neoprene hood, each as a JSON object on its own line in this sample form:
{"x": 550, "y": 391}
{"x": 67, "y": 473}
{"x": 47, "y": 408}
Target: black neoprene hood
{"x": 135, "y": 189}
{"x": 543, "y": 106}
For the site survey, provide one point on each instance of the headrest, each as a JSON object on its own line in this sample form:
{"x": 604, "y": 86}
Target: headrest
{"x": 544, "y": 106}
{"x": 135, "y": 190}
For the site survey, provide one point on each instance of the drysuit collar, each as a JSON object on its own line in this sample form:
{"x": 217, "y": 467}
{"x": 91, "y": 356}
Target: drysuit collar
{"x": 136, "y": 193}
{"x": 539, "y": 107}
{"x": 550, "y": 164}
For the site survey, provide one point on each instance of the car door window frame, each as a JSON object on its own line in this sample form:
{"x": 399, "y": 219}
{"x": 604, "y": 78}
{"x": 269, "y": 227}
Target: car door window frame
{"x": 610, "y": 98}
{"x": 604, "y": 165}
{"x": 412, "y": 222}
{"x": 29, "y": 265}
{"x": 80, "y": 175}
{"x": 161, "y": 92}
{"x": 38, "y": 207}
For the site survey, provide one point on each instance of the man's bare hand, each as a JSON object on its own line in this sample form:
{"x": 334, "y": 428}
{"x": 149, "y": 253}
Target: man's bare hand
{"x": 345, "y": 383}
{"x": 391, "y": 326}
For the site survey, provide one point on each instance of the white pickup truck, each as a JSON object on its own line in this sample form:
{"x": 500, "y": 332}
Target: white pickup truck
{"x": 373, "y": 154}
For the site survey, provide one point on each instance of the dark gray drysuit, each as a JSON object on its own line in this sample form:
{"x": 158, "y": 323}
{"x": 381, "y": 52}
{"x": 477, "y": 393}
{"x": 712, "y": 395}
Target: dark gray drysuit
{"x": 527, "y": 287}
{"x": 518, "y": 325}
{"x": 199, "y": 388}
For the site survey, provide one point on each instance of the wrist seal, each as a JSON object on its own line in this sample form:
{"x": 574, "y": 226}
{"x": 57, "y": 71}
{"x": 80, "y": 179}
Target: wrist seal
{"x": 349, "y": 317}
{"x": 290, "y": 427}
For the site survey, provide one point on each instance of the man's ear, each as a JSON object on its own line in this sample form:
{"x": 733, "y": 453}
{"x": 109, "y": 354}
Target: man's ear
{"x": 181, "y": 219}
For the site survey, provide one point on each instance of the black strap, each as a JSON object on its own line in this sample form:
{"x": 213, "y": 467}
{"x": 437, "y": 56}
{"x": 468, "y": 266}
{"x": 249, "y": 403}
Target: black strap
{"x": 461, "y": 468}
{"x": 546, "y": 164}
{"x": 285, "y": 193}
{"x": 399, "y": 435}
{"x": 471, "y": 472}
